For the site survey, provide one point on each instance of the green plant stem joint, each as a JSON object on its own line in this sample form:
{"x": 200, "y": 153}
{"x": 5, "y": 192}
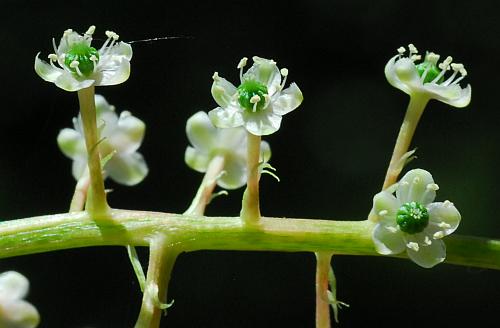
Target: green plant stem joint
{"x": 252, "y": 95}
{"x": 81, "y": 59}
{"x": 412, "y": 217}
{"x": 432, "y": 71}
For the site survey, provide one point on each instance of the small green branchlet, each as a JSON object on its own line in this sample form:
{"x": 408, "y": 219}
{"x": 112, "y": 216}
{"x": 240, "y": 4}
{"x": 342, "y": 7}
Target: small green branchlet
{"x": 252, "y": 95}
{"x": 412, "y": 217}
{"x": 81, "y": 59}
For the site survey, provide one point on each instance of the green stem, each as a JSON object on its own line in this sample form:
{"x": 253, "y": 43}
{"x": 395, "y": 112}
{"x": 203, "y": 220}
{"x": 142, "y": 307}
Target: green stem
{"x": 204, "y": 193}
{"x": 162, "y": 258}
{"x": 250, "y": 210}
{"x": 72, "y": 230}
{"x": 413, "y": 113}
{"x": 322, "y": 305}
{"x": 96, "y": 204}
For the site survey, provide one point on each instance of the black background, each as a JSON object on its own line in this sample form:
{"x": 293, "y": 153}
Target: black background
{"x": 331, "y": 154}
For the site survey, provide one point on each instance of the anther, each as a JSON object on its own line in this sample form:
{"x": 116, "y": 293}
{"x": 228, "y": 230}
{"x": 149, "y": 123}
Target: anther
{"x": 427, "y": 241}
{"x": 444, "y": 225}
{"x": 447, "y": 203}
{"x": 74, "y": 64}
{"x": 216, "y": 76}
{"x": 438, "y": 235}
{"x": 412, "y": 49}
{"x": 432, "y": 186}
{"x": 413, "y": 245}
{"x": 242, "y": 63}
{"x": 401, "y": 50}
{"x": 391, "y": 229}
{"x": 90, "y": 30}
{"x": 383, "y": 212}
{"x": 53, "y": 57}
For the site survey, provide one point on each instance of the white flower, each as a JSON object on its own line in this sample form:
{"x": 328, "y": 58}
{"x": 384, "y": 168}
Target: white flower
{"x": 412, "y": 222}
{"x": 258, "y": 102}
{"x": 209, "y": 141}
{"x": 427, "y": 78}
{"x": 14, "y": 311}
{"x": 122, "y": 135}
{"x": 81, "y": 65}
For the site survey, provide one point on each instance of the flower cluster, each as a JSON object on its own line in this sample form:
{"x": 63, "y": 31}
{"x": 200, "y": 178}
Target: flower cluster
{"x": 14, "y": 311}
{"x": 411, "y": 221}
{"x": 81, "y": 65}
{"x": 121, "y": 136}
{"x": 259, "y": 102}
{"x": 427, "y": 78}
{"x": 208, "y": 141}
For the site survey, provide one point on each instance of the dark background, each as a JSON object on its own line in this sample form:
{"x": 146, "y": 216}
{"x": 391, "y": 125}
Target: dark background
{"x": 331, "y": 154}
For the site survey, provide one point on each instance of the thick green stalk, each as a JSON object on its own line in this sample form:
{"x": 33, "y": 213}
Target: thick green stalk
{"x": 413, "y": 113}
{"x": 191, "y": 233}
{"x": 96, "y": 203}
{"x": 250, "y": 210}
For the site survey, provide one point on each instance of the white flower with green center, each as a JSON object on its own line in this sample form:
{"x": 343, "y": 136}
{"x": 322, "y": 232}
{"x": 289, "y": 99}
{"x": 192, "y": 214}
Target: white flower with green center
{"x": 411, "y": 221}
{"x": 427, "y": 78}
{"x": 259, "y": 102}
{"x": 209, "y": 141}
{"x": 119, "y": 134}
{"x": 81, "y": 65}
{"x": 14, "y": 311}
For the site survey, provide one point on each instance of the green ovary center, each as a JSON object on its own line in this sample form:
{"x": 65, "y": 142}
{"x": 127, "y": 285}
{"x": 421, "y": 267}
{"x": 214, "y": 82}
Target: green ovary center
{"x": 412, "y": 217}
{"x": 83, "y": 54}
{"x": 432, "y": 72}
{"x": 251, "y": 95}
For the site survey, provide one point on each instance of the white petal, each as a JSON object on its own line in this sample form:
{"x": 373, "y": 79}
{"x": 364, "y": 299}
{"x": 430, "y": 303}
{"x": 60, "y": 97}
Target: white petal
{"x": 201, "y": 132}
{"x": 265, "y": 152}
{"x": 428, "y": 256}
{"x": 222, "y": 91}
{"x": 47, "y": 71}
{"x": 71, "y": 143}
{"x": 196, "y": 160}
{"x": 13, "y": 285}
{"x": 452, "y": 95}
{"x": 388, "y": 239}
{"x": 120, "y": 51}
{"x": 444, "y": 216}
{"x": 19, "y": 314}
{"x": 128, "y": 134}
{"x": 68, "y": 82}
{"x": 414, "y": 187}
{"x": 229, "y": 117}
{"x": 232, "y": 139}
{"x": 112, "y": 72}
{"x": 262, "y": 123}
{"x": 385, "y": 206}
{"x": 288, "y": 100}
{"x": 128, "y": 170}
{"x": 235, "y": 172}
{"x": 79, "y": 166}
{"x": 401, "y": 73}
{"x": 266, "y": 72}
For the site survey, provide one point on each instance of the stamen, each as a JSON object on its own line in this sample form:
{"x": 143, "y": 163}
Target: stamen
{"x": 413, "y": 245}
{"x": 54, "y": 45}
{"x": 432, "y": 186}
{"x": 391, "y": 229}
{"x": 424, "y": 74}
{"x": 432, "y": 58}
{"x": 94, "y": 59}
{"x": 255, "y": 100}
{"x": 284, "y": 72}
{"x": 52, "y": 59}
{"x": 383, "y": 212}
{"x": 90, "y": 30}
{"x": 415, "y": 57}
{"x": 427, "y": 241}
{"x": 412, "y": 49}
{"x": 241, "y": 64}
{"x": 447, "y": 203}
{"x": 438, "y": 235}
{"x": 216, "y": 76}
{"x": 74, "y": 64}
{"x": 444, "y": 225}
{"x": 444, "y": 66}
